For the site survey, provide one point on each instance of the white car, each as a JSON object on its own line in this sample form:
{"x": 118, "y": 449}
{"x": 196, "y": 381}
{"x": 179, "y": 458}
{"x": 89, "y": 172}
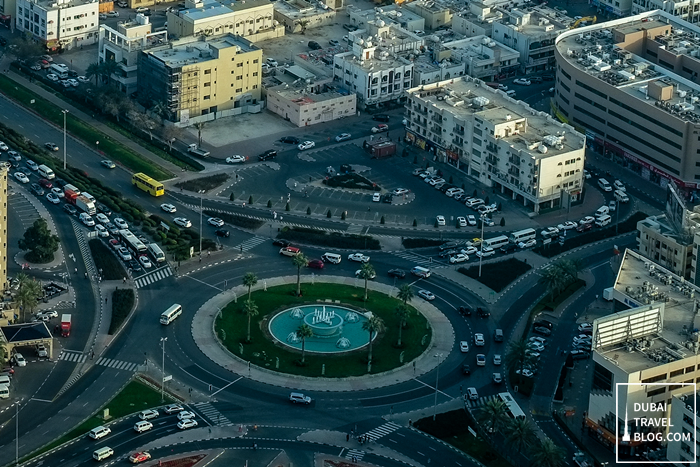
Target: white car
{"x": 471, "y": 220}
{"x": 359, "y": 271}
{"x": 461, "y": 221}
{"x": 497, "y": 359}
{"x": 83, "y": 79}
{"x": 480, "y": 360}
{"x": 359, "y": 257}
{"x": 306, "y": 145}
{"x": 458, "y": 258}
{"x": 549, "y": 232}
{"x": 121, "y": 223}
{"x": 568, "y": 225}
{"x": 101, "y": 218}
{"x": 32, "y": 165}
{"x": 109, "y": 164}
{"x": 215, "y": 221}
{"x": 479, "y": 340}
{"x": 435, "y": 181}
{"x": 124, "y": 254}
{"x": 440, "y": 220}
{"x": 73, "y": 82}
{"x": 182, "y": 222}
{"x": 536, "y": 346}
{"x": 272, "y": 62}
{"x": 52, "y": 77}
{"x": 583, "y": 327}
{"x": 148, "y": 414}
{"x": 619, "y": 185}
{"x": 185, "y": 424}
{"x": 173, "y": 408}
{"x": 488, "y": 251}
{"x": 343, "y": 137}
{"x": 464, "y": 346}
{"x": 142, "y": 426}
{"x": 58, "y": 192}
{"x": 101, "y": 231}
{"x": 3, "y": 146}
{"x": 168, "y": 207}
{"x": 235, "y": 159}
{"x": 541, "y": 340}
{"x": 20, "y": 177}
{"x": 426, "y": 295}
{"x": 86, "y": 219}
{"x": 526, "y": 373}
{"x": 470, "y": 250}
{"x": 399, "y": 191}
{"x": 527, "y": 244}
{"x": 19, "y": 360}
{"x": 587, "y": 220}
{"x": 377, "y": 197}
{"x": 53, "y": 199}
{"x": 145, "y": 261}
{"x": 185, "y": 415}
{"x": 522, "y": 81}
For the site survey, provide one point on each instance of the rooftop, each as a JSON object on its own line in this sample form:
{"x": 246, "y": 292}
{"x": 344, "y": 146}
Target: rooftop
{"x": 59, "y": 4}
{"x": 190, "y": 50}
{"x": 211, "y": 8}
{"x": 593, "y": 49}
{"x": 302, "y": 93}
{"x": 642, "y": 282}
{"x": 392, "y": 13}
{"x": 467, "y": 98}
{"x": 688, "y": 401}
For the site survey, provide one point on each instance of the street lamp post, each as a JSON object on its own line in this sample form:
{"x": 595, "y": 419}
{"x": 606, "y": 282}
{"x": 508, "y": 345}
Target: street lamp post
{"x": 64, "y": 112}
{"x": 163, "y": 340}
{"x": 481, "y": 256}
{"x": 437, "y": 377}
{"x": 201, "y": 213}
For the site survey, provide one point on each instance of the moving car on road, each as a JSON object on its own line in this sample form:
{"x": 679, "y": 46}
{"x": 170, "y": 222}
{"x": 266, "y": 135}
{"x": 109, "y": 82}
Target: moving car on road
{"x": 235, "y": 159}
{"x": 426, "y": 295}
{"x": 358, "y": 257}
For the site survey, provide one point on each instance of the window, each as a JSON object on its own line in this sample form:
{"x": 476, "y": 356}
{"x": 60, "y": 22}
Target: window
{"x": 590, "y": 89}
{"x": 677, "y": 372}
{"x": 239, "y": 90}
{"x": 602, "y": 378}
{"x": 476, "y": 141}
{"x": 206, "y": 85}
{"x": 206, "y": 98}
{"x": 656, "y": 378}
{"x": 656, "y": 392}
{"x": 568, "y": 76}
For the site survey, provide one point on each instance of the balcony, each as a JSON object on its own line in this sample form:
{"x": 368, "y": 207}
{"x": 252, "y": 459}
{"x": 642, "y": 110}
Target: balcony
{"x": 436, "y": 118}
{"x": 436, "y": 129}
{"x": 514, "y": 160}
{"x": 458, "y": 131}
{"x": 457, "y": 141}
{"x": 419, "y": 110}
{"x": 514, "y": 172}
{"x": 493, "y": 160}
{"x": 492, "y": 148}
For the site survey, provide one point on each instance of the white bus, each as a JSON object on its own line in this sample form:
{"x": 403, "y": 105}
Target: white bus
{"x": 523, "y": 235}
{"x": 497, "y": 242}
{"x": 156, "y": 252}
{"x": 134, "y": 244}
{"x": 514, "y": 410}
{"x": 170, "y": 314}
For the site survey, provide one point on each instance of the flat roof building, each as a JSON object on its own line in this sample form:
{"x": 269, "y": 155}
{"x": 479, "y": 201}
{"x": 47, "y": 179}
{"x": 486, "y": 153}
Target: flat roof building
{"x": 389, "y": 14}
{"x": 299, "y": 15}
{"x": 201, "y": 78}
{"x": 685, "y": 415}
{"x": 502, "y": 142}
{"x": 59, "y": 24}
{"x": 630, "y": 85}
{"x": 305, "y": 104}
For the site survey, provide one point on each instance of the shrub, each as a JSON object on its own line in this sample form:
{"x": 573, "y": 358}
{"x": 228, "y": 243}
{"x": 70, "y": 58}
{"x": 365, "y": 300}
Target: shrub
{"x": 381, "y": 221}
{"x": 269, "y": 203}
{"x": 231, "y": 197}
{"x": 415, "y": 222}
{"x": 250, "y": 199}
{"x": 106, "y": 260}
{"x": 334, "y": 240}
{"x": 286, "y": 207}
{"x": 308, "y": 210}
{"x": 420, "y": 242}
{"x": 351, "y": 180}
{"x": 122, "y": 303}
{"x": 497, "y": 275}
{"x": 329, "y": 214}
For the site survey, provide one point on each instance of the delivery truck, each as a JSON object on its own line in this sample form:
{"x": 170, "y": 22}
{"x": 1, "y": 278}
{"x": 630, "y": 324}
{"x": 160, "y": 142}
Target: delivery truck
{"x": 65, "y": 324}
{"x": 80, "y": 202}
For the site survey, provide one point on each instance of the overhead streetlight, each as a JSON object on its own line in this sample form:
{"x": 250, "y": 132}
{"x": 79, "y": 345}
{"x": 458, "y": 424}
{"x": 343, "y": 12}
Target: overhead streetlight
{"x": 437, "y": 377}
{"x": 163, "y": 340}
{"x": 64, "y": 112}
{"x": 481, "y": 256}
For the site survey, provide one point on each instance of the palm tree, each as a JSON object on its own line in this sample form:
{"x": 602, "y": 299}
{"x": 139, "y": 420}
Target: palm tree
{"x": 249, "y": 280}
{"x": 570, "y": 268}
{"x": 373, "y": 325}
{"x": 552, "y": 280}
{"x": 518, "y": 356}
{"x": 520, "y": 434}
{"x": 300, "y": 261}
{"x": 250, "y": 309}
{"x": 405, "y": 293}
{"x": 28, "y": 294}
{"x": 199, "y": 126}
{"x": 303, "y": 332}
{"x": 108, "y": 68}
{"x": 402, "y": 312}
{"x": 547, "y": 454}
{"x": 93, "y": 71}
{"x": 493, "y": 415}
{"x": 367, "y": 272}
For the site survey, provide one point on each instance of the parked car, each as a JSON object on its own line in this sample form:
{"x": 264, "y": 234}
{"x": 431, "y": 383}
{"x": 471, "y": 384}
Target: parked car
{"x": 235, "y": 159}
{"x": 313, "y": 45}
{"x": 528, "y": 244}
{"x": 522, "y": 81}
{"x": 380, "y": 128}
{"x": 343, "y": 137}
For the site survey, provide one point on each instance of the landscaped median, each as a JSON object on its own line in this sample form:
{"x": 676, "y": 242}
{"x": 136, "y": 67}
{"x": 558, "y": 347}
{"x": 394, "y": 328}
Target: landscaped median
{"x": 81, "y": 130}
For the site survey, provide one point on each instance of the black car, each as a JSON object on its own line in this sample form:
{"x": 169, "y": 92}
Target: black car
{"x": 447, "y": 253}
{"x": 543, "y": 331}
{"x": 483, "y": 313}
{"x": 72, "y": 74}
{"x": 465, "y": 310}
{"x": 388, "y": 198}
{"x": 448, "y": 246}
{"x": 290, "y": 140}
{"x": 381, "y": 118}
{"x": 59, "y": 182}
{"x": 543, "y": 323}
{"x": 269, "y": 154}
{"x": 222, "y": 233}
{"x": 103, "y": 209}
{"x": 135, "y": 266}
{"x": 70, "y": 209}
{"x": 36, "y": 189}
{"x": 446, "y": 187}
{"x": 400, "y": 273}
{"x": 548, "y": 77}
{"x": 281, "y": 242}
{"x": 466, "y": 369}
{"x": 536, "y": 79}
{"x": 313, "y": 45}
{"x": 510, "y": 248}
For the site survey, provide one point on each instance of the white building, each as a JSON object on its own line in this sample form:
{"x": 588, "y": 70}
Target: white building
{"x": 402, "y": 17}
{"x": 477, "y": 19}
{"x": 688, "y": 10}
{"x": 60, "y": 24}
{"x": 684, "y": 414}
{"x": 503, "y": 142}
{"x": 305, "y": 104}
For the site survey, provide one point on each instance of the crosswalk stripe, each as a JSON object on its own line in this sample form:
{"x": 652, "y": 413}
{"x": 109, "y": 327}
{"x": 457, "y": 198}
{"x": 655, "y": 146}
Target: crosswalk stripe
{"x": 250, "y": 243}
{"x": 354, "y": 229}
{"x": 422, "y": 260}
{"x": 382, "y": 430}
{"x": 214, "y": 416}
{"x": 153, "y": 276}
{"x": 69, "y": 356}
{"x": 355, "y": 454}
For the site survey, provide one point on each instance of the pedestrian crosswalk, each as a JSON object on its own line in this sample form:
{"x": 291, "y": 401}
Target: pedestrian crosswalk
{"x": 214, "y": 416}
{"x": 415, "y": 258}
{"x": 382, "y": 430}
{"x": 480, "y": 401}
{"x": 154, "y": 276}
{"x": 250, "y": 244}
{"x": 355, "y": 455}
{"x": 117, "y": 364}
{"x": 72, "y": 356}
{"x": 84, "y": 247}
{"x": 355, "y": 229}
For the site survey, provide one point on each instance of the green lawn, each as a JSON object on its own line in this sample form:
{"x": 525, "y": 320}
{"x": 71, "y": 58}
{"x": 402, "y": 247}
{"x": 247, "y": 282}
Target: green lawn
{"x": 263, "y": 352}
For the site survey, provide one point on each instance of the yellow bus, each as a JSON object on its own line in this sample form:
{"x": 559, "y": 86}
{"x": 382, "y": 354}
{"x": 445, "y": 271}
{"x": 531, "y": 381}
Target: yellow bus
{"x": 147, "y": 184}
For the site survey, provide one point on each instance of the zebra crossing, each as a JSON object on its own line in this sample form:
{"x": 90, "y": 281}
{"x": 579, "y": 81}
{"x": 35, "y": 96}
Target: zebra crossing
{"x": 117, "y": 364}
{"x": 355, "y": 455}
{"x": 214, "y": 416}
{"x": 480, "y": 401}
{"x": 355, "y": 229}
{"x": 416, "y": 258}
{"x": 250, "y": 244}
{"x": 84, "y": 247}
{"x": 155, "y": 276}
{"x": 382, "y": 430}
{"x": 72, "y": 356}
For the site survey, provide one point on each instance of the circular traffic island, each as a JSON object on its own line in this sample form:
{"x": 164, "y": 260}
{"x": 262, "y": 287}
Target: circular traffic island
{"x": 329, "y": 332}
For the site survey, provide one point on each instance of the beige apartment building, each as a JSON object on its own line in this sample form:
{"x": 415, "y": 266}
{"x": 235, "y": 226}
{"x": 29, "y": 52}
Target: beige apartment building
{"x": 307, "y": 104}
{"x": 630, "y": 84}
{"x": 201, "y": 78}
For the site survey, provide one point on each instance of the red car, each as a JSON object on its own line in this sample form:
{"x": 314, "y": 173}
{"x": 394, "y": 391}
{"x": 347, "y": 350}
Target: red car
{"x": 45, "y": 183}
{"x": 584, "y": 227}
{"x": 316, "y": 264}
{"x": 114, "y": 243}
{"x": 138, "y": 457}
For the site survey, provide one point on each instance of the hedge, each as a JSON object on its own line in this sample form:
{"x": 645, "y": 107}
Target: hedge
{"x": 122, "y": 303}
{"x": 331, "y": 240}
{"x": 420, "y": 242}
{"x": 496, "y": 276}
{"x": 112, "y": 268}
{"x": 351, "y": 180}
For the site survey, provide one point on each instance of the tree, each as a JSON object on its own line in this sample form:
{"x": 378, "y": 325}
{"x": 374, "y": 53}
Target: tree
{"x": 40, "y": 242}
{"x": 161, "y": 110}
{"x": 303, "y": 332}
{"x": 367, "y": 272}
{"x": 402, "y": 312}
{"x": 547, "y": 454}
{"x": 493, "y": 415}
{"x": 199, "y": 126}
{"x": 249, "y": 280}
{"x": 28, "y": 294}
{"x": 405, "y": 293}
{"x": 552, "y": 280}
{"x": 302, "y": 24}
{"x": 518, "y": 356}
{"x": 108, "y": 68}
{"x": 24, "y": 48}
{"x": 300, "y": 261}
{"x": 93, "y": 71}
{"x": 374, "y": 325}
{"x": 170, "y": 133}
{"x": 250, "y": 309}
{"x": 520, "y": 434}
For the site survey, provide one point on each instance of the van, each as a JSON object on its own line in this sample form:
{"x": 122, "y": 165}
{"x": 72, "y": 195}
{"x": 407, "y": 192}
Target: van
{"x": 89, "y": 196}
{"x": 602, "y": 221}
{"x": 472, "y": 394}
{"x": 621, "y": 196}
{"x": 4, "y": 391}
{"x": 99, "y": 432}
{"x": 102, "y": 453}
{"x": 72, "y": 188}
{"x": 46, "y": 172}
{"x": 331, "y": 258}
{"x": 498, "y": 335}
{"x": 59, "y": 70}
{"x": 156, "y": 252}
{"x": 602, "y": 211}
{"x": 5, "y": 380}
{"x": 510, "y": 93}
{"x": 604, "y": 185}
{"x": 420, "y": 272}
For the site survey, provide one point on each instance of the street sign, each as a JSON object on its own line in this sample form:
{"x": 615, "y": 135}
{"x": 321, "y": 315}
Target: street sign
{"x": 167, "y": 378}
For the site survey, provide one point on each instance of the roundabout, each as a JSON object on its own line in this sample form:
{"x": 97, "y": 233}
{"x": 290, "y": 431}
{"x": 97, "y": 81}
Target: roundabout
{"x": 276, "y": 360}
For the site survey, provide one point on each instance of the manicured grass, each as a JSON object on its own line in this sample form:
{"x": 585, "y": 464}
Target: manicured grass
{"x": 204, "y": 183}
{"x": 497, "y": 276}
{"x": 81, "y": 130}
{"x": 104, "y": 259}
{"x": 263, "y": 352}
{"x": 122, "y": 303}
